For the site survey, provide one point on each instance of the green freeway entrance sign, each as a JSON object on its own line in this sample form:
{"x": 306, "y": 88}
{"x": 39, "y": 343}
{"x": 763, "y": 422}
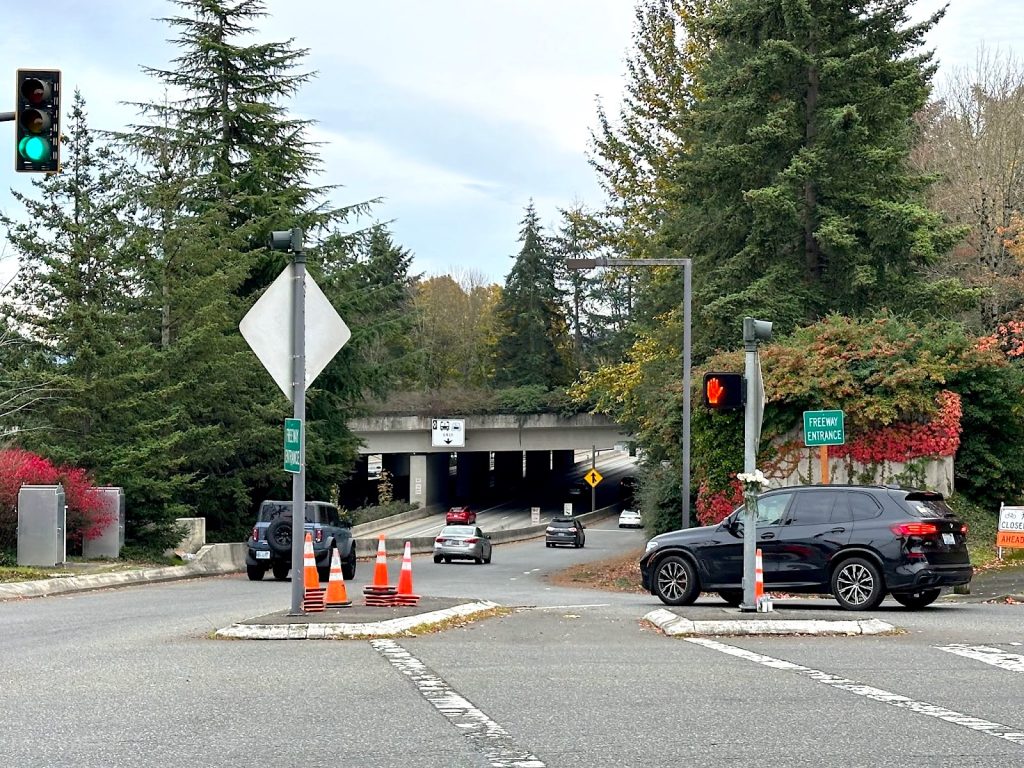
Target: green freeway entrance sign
{"x": 293, "y": 445}
{"x": 824, "y": 428}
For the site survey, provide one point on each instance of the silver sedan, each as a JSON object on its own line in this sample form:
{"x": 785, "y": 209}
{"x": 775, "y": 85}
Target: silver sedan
{"x": 462, "y": 542}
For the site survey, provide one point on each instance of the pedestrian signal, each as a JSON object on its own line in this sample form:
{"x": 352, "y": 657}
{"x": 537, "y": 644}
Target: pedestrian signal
{"x": 723, "y": 391}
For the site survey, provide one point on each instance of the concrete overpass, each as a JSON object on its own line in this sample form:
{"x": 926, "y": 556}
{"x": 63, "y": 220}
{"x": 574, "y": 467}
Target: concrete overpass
{"x": 501, "y": 452}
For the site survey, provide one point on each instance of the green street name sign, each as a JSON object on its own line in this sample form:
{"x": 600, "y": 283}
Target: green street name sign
{"x": 293, "y": 445}
{"x": 824, "y": 428}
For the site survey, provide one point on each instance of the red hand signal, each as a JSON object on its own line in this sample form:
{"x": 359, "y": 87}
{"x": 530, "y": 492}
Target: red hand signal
{"x": 715, "y": 392}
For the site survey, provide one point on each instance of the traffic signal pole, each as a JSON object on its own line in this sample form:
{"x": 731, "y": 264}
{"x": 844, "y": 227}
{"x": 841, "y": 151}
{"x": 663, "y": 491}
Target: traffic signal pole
{"x": 753, "y": 331}
{"x": 299, "y": 412}
{"x": 684, "y": 438}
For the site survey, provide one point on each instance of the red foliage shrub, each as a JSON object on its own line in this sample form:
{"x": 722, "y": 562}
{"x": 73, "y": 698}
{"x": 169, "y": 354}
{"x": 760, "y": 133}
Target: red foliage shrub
{"x": 905, "y": 441}
{"x": 86, "y": 520}
{"x": 712, "y": 507}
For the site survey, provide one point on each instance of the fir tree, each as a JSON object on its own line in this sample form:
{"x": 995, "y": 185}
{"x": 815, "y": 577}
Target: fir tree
{"x": 78, "y": 303}
{"x": 534, "y": 345}
{"x": 795, "y": 194}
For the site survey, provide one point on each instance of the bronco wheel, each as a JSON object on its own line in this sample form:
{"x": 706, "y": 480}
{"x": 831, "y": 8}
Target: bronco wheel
{"x": 281, "y": 571}
{"x": 675, "y": 581}
{"x": 348, "y": 566}
{"x": 324, "y": 573}
{"x": 915, "y": 600}
{"x": 857, "y": 585}
{"x": 279, "y": 537}
{"x": 255, "y": 572}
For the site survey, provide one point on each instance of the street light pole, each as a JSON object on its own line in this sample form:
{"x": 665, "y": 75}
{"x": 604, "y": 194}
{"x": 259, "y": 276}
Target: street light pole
{"x": 686, "y": 264}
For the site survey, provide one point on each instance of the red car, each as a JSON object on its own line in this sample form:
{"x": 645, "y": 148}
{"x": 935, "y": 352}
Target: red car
{"x": 457, "y": 515}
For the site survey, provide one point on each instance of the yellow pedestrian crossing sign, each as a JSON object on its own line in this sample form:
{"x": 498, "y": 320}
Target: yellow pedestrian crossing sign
{"x": 593, "y": 477}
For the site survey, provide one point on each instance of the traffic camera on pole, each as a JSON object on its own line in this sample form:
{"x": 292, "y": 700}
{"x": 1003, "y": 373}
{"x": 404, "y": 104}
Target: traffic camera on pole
{"x": 37, "y": 121}
{"x": 723, "y": 391}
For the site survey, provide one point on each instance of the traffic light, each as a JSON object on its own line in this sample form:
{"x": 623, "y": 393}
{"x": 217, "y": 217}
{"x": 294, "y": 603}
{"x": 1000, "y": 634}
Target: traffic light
{"x": 37, "y": 121}
{"x": 723, "y": 391}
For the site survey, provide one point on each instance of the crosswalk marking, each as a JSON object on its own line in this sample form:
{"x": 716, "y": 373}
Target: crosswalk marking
{"x": 977, "y": 724}
{"x": 1011, "y": 662}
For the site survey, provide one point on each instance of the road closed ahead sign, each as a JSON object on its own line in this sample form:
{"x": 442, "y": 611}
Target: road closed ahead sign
{"x": 1011, "y": 527}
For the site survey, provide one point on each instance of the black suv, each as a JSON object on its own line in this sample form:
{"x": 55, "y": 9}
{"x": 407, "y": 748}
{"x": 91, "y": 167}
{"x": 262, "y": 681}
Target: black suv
{"x": 856, "y": 543}
{"x": 270, "y": 544}
{"x": 565, "y": 530}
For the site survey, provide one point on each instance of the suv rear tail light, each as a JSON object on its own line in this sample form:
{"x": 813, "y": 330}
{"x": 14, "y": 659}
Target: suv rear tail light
{"x": 255, "y": 533}
{"x": 963, "y": 529}
{"x": 318, "y": 535}
{"x": 915, "y": 529}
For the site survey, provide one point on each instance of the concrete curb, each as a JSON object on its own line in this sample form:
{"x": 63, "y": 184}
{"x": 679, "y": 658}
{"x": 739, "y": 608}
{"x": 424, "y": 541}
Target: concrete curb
{"x": 211, "y": 560}
{"x": 218, "y": 559}
{"x": 674, "y": 625}
{"x": 351, "y": 631}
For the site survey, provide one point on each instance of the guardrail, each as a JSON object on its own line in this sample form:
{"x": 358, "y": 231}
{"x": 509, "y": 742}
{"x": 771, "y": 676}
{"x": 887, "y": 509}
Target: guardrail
{"x": 367, "y": 547}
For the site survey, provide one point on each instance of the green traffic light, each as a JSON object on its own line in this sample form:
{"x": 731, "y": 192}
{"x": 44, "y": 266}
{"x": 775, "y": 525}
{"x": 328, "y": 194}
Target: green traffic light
{"x": 35, "y": 149}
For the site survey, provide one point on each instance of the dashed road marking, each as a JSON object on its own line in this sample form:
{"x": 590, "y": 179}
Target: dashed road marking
{"x": 988, "y": 727}
{"x": 1011, "y": 662}
{"x": 493, "y": 741}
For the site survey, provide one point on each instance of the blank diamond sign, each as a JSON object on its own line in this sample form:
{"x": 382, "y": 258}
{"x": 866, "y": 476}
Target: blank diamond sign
{"x": 267, "y": 328}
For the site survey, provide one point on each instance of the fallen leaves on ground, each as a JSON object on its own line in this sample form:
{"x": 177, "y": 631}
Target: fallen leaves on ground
{"x": 617, "y": 574}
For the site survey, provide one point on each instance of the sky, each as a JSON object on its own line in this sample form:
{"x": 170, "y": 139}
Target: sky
{"x": 454, "y": 113}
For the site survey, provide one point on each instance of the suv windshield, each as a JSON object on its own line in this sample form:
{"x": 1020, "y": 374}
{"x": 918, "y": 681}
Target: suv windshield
{"x": 315, "y": 513}
{"x": 561, "y": 521}
{"x": 924, "y": 504}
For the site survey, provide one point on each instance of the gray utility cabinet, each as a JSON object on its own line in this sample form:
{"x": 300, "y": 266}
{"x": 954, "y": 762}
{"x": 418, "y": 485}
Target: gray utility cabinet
{"x": 111, "y": 539}
{"x": 42, "y": 525}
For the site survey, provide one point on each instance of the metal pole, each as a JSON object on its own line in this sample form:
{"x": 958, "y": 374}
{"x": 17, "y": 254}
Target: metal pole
{"x": 593, "y": 488}
{"x": 298, "y": 412}
{"x": 686, "y": 264}
{"x": 687, "y": 300}
{"x": 749, "y": 465}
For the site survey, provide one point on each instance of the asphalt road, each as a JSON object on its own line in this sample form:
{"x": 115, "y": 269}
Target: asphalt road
{"x": 570, "y": 677}
{"x": 515, "y": 512}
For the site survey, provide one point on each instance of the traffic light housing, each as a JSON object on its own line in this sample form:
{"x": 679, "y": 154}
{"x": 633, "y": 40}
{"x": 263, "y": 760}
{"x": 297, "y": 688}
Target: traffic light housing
{"x": 37, "y": 121}
{"x": 723, "y": 391}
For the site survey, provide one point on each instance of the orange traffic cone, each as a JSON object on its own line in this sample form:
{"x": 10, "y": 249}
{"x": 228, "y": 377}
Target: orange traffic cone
{"x": 405, "y": 595}
{"x": 313, "y": 594}
{"x": 310, "y": 575}
{"x": 337, "y": 595}
{"x": 761, "y": 603}
{"x": 380, "y": 593}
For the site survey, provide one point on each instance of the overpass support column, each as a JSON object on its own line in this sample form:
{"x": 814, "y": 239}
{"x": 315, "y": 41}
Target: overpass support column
{"x": 472, "y": 471}
{"x": 428, "y": 478}
{"x": 562, "y": 462}
{"x": 508, "y": 470}
{"x": 397, "y": 467}
{"x": 538, "y": 468}
{"x": 355, "y": 491}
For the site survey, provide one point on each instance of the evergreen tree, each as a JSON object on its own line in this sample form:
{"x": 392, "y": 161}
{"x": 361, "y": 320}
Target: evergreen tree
{"x": 795, "y": 194}
{"x": 367, "y": 280}
{"x": 598, "y": 305}
{"x": 222, "y": 163}
{"x": 79, "y": 305}
{"x": 533, "y": 339}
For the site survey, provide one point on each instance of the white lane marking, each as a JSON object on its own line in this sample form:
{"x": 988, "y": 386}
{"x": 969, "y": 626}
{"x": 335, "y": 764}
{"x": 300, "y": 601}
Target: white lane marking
{"x": 493, "y": 741}
{"x": 1011, "y": 662}
{"x": 988, "y": 727}
{"x": 561, "y": 607}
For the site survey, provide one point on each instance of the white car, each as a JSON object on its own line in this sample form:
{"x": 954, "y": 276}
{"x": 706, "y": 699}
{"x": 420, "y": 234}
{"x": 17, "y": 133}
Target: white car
{"x": 630, "y": 518}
